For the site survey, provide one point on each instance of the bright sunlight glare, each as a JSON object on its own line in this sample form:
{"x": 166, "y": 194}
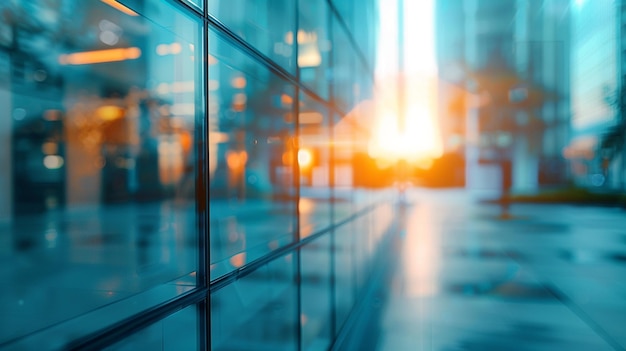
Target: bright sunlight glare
{"x": 420, "y": 139}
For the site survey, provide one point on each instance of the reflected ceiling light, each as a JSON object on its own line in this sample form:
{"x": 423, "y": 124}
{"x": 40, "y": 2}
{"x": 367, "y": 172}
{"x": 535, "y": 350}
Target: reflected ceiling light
{"x": 116, "y": 5}
{"x": 53, "y": 161}
{"x": 162, "y": 49}
{"x": 175, "y": 48}
{"x": 309, "y": 56}
{"x": 169, "y": 49}
{"x": 239, "y": 82}
{"x": 109, "y": 37}
{"x": 289, "y": 38}
{"x": 100, "y": 56}
{"x": 286, "y": 99}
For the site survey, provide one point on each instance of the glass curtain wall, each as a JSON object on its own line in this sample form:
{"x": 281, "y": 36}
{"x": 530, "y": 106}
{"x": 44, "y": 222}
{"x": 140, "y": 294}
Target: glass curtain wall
{"x": 178, "y": 175}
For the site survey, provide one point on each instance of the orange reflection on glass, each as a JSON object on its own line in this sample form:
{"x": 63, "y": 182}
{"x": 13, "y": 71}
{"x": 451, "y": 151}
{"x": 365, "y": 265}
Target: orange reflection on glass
{"x": 116, "y": 5}
{"x": 287, "y": 158}
{"x": 236, "y": 160}
{"x": 109, "y": 112}
{"x": 286, "y": 100}
{"x": 306, "y": 205}
{"x": 239, "y": 102}
{"x": 239, "y": 82}
{"x": 238, "y": 260}
{"x": 305, "y": 158}
{"x": 100, "y": 56}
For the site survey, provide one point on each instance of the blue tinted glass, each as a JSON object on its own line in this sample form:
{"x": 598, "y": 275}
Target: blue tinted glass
{"x": 98, "y": 129}
{"x": 251, "y": 158}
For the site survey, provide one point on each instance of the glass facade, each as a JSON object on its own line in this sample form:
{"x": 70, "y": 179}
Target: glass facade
{"x": 173, "y": 175}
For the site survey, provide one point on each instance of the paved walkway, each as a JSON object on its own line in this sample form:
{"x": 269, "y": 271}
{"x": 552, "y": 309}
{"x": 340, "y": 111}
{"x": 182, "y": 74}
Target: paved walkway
{"x": 550, "y": 278}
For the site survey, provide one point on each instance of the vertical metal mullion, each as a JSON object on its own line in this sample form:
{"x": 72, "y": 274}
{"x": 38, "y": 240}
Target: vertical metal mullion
{"x": 296, "y": 171}
{"x": 204, "y": 308}
{"x": 331, "y": 178}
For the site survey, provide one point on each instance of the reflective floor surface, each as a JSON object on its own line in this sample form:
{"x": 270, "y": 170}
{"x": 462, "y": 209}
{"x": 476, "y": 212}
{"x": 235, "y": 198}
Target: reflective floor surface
{"x": 551, "y": 277}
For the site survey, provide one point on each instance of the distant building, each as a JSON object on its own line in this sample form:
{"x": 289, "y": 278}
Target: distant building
{"x": 504, "y": 92}
{"x": 594, "y": 73}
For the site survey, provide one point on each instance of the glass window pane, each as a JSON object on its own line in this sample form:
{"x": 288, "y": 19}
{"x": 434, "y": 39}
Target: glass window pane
{"x": 257, "y": 312}
{"x": 267, "y": 25}
{"x": 316, "y": 294}
{"x": 361, "y": 17}
{"x": 178, "y": 332}
{"x": 344, "y": 272}
{"x": 251, "y": 158}
{"x": 314, "y": 163}
{"x": 98, "y": 122}
{"x": 344, "y": 139}
{"x": 314, "y": 45}
{"x": 199, "y": 4}
{"x": 344, "y": 69}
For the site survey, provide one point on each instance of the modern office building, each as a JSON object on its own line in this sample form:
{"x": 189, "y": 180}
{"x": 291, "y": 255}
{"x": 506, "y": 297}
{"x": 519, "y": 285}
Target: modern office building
{"x": 541, "y": 132}
{"x": 170, "y": 177}
{"x": 595, "y": 84}
{"x": 450, "y": 55}
{"x": 504, "y": 94}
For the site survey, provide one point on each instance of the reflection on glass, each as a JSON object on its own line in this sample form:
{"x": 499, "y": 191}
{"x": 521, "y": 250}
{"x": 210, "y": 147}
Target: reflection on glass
{"x": 344, "y": 69}
{"x": 251, "y": 158}
{"x": 97, "y": 132}
{"x": 344, "y": 269}
{"x": 257, "y": 312}
{"x": 314, "y": 45}
{"x": 314, "y": 164}
{"x": 267, "y": 25}
{"x": 316, "y": 292}
{"x": 178, "y": 332}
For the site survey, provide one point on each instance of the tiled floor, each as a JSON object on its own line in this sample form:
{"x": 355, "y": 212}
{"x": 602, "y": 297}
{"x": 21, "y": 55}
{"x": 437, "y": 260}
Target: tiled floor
{"x": 550, "y": 278}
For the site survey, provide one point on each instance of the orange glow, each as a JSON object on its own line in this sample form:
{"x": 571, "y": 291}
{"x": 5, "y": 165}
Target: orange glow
{"x": 305, "y": 158}
{"x": 287, "y": 158}
{"x": 306, "y": 205}
{"x": 116, "y": 5}
{"x": 110, "y": 112}
{"x": 239, "y": 82}
{"x": 236, "y": 159}
{"x": 286, "y": 99}
{"x": 418, "y": 141}
{"x": 100, "y": 56}
{"x": 238, "y": 260}
{"x": 175, "y": 48}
